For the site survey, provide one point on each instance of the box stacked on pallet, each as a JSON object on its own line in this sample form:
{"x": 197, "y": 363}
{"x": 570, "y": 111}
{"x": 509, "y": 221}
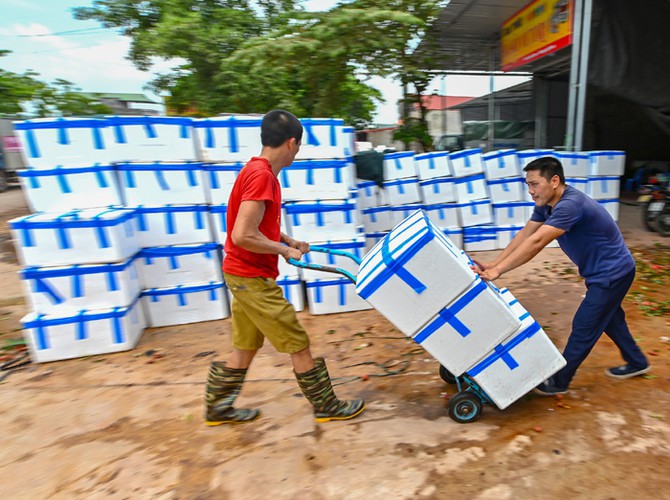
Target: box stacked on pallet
{"x": 164, "y": 181}
{"x": 77, "y": 250}
{"x": 468, "y": 327}
{"x": 320, "y": 208}
{"x": 605, "y": 171}
{"x": 511, "y": 208}
{"x": 474, "y": 203}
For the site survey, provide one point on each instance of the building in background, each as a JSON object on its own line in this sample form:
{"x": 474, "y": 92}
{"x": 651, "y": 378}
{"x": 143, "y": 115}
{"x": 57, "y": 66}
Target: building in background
{"x": 127, "y": 104}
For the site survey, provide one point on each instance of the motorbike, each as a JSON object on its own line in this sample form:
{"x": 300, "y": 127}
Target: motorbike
{"x": 654, "y": 199}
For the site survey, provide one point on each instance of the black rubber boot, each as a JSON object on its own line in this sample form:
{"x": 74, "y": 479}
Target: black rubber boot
{"x": 223, "y": 386}
{"x": 315, "y": 384}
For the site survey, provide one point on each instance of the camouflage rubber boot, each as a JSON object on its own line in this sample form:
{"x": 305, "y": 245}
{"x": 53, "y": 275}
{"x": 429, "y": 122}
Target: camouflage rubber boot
{"x": 223, "y": 386}
{"x": 315, "y": 384}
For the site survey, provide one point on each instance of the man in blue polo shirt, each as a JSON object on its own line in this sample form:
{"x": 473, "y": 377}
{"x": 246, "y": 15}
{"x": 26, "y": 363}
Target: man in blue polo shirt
{"x": 592, "y": 240}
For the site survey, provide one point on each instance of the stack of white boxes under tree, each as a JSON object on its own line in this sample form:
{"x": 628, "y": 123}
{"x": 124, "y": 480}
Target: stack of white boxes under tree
{"x": 421, "y": 282}
{"x": 78, "y": 248}
{"x": 474, "y": 204}
{"x": 438, "y": 192}
{"x": 320, "y": 206}
{"x": 163, "y": 180}
{"x": 511, "y": 208}
{"x": 383, "y": 207}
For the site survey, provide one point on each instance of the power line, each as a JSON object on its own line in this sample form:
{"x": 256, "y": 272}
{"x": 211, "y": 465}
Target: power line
{"x": 85, "y": 31}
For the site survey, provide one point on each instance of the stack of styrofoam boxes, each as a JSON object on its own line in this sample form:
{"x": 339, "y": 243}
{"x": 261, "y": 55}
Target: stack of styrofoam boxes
{"x": 466, "y": 326}
{"x": 474, "y": 204}
{"x": 320, "y": 206}
{"x": 163, "y": 180}
{"x": 438, "y": 192}
{"x": 605, "y": 171}
{"x": 383, "y": 207}
{"x": 506, "y": 186}
{"x": 79, "y": 272}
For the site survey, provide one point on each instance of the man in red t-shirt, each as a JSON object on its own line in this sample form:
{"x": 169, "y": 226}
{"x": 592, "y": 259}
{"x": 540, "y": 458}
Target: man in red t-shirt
{"x": 259, "y": 308}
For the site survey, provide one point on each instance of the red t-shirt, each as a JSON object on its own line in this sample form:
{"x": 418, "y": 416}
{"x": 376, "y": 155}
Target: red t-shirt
{"x": 256, "y": 181}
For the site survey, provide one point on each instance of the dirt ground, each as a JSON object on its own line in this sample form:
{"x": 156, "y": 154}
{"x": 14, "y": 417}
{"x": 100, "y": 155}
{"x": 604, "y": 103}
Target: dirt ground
{"x": 129, "y": 425}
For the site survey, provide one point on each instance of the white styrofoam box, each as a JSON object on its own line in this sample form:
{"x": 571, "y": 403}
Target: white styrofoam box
{"x": 404, "y": 275}
{"x": 349, "y": 141}
{"x": 219, "y": 223}
{"x": 368, "y": 195}
{"x": 501, "y": 163}
{"x": 518, "y": 310}
{"x": 377, "y": 219}
{"x": 475, "y": 213}
{"x": 512, "y": 213}
{"x": 607, "y": 163}
{"x": 322, "y": 220}
{"x": 580, "y": 184}
{"x": 323, "y": 138}
{"x": 293, "y": 290}
{"x": 612, "y": 206}
{"x": 444, "y": 215}
{"x": 169, "y": 266}
{"x": 470, "y": 188}
{"x": 308, "y": 180}
{"x": 161, "y": 183}
{"x": 455, "y": 234}
{"x": 466, "y": 162}
{"x": 575, "y": 164}
{"x": 220, "y": 180}
{"x": 153, "y": 138}
{"x": 472, "y": 324}
{"x": 61, "y": 289}
{"x": 432, "y": 165}
{"x": 399, "y": 165}
{"x": 229, "y": 138}
{"x": 328, "y": 296}
{"x": 87, "y": 333}
{"x": 400, "y": 192}
{"x": 399, "y": 213}
{"x": 438, "y": 190}
{"x": 188, "y": 303}
{"x": 355, "y": 246}
{"x": 603, "y": 188}
{"x": 372, "y": 238}
{"x": 64, "y": 142}
{"x": 506, "y": 234}
{"x": 525, "y": 156}
{"x": 158, "y": 226}
{"x": 480, "y": 238}
{"x": 517, "y": 365}
{"x": 87, "y": 236}
{"x": 507, "y": 189}
{"x": 68, "y": 188}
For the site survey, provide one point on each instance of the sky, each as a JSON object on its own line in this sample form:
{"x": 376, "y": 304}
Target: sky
{"x": 44, "y": 37}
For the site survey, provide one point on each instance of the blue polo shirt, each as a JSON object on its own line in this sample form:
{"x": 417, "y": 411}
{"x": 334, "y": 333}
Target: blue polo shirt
{"x": 592, "y": 239}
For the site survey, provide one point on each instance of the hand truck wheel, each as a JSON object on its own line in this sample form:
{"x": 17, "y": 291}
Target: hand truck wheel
{"x": 465, "y": 407}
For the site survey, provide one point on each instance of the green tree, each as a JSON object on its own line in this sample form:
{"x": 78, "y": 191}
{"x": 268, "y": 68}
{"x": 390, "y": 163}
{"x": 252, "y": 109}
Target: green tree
{"x": 241, "y": 59}
{"x": 16, "y": 89}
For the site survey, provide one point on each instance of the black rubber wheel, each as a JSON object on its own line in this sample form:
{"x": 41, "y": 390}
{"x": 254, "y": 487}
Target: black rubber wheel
{"x": 465, "y": 407}
{"x": 447, "y": 376}
{"x": 647, "y": 221}
{"x": 3, "y": 181}
{"x": 663, "y": 221}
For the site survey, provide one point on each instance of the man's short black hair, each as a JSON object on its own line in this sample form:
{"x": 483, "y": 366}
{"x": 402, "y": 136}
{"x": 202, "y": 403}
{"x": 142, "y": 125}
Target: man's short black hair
{"x": 548, "y": 166}
{"x": 278, "y": 126}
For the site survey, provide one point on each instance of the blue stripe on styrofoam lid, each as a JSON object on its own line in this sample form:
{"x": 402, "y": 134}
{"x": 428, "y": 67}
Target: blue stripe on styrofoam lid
{"x": 89, "y": 315}
{"x": 168, "y": 251}
{"x": 464, "y": 153}
{"x": 181, "y": 289}
{"x": 394, "y": 266}
{"x": 502, "y": 351}
{"x": 448, "y": 315}
{"x": 43, "y": 286}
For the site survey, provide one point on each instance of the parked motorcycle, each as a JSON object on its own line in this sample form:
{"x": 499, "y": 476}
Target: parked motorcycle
{"x": 654, "y": 199}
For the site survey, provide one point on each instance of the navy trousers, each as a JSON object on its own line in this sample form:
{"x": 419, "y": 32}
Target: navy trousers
{"x": 599, "y": 312}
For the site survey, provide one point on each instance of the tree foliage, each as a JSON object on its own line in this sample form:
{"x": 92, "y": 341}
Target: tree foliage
{"x": 247, "y": 57}
{"x": 61, "y": 98}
